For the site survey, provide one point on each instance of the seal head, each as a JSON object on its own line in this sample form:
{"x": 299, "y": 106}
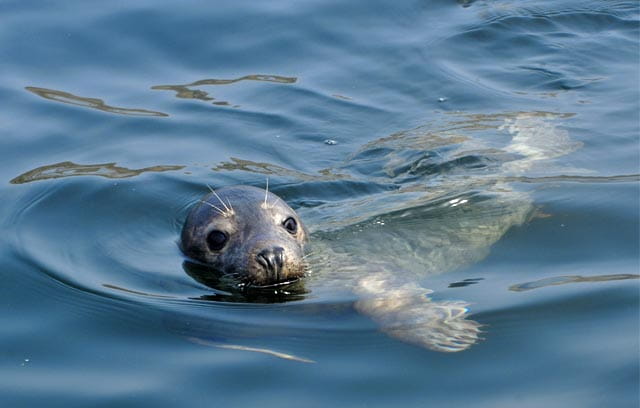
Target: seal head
{"x": 247, "y": 233}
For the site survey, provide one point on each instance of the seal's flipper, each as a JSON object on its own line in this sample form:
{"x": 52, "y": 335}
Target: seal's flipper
{"x": 406, "y": 313}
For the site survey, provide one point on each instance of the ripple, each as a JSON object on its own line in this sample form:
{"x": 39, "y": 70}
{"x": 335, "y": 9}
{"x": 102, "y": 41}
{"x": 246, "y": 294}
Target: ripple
{"x": 576, "y": 179}
{"x": 93, "y": 103}
{"x": 96, "y": 236}
{"x": 285, "y": 356}
{"x": 562, "y": 280}
{"x": 537, "y": 50}
{"x": 185, "y": 91}
{"x": 237, "y": 164}
{"x": 70, "y": 169}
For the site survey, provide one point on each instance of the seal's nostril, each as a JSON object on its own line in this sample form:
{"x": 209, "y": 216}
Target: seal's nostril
{"x": 263, "y": 259}
{"x": 272, "y": 260}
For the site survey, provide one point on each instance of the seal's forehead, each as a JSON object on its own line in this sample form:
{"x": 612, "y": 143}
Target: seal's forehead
{"x": 250, "y": 200}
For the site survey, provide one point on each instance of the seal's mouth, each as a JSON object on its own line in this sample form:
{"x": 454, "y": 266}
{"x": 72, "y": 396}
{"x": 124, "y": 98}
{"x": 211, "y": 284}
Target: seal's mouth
{"x": 237, "y": 287}
{"x": 242, "y": 281}
{"x": 278, "y": 284}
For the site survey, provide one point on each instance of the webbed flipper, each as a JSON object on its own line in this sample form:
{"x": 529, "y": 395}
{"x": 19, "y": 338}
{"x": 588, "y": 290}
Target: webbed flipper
{"x": 404, "y": 311}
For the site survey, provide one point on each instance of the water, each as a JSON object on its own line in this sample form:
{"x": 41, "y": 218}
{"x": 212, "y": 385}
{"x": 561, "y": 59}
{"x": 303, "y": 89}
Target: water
{"x": 116, "y": 116}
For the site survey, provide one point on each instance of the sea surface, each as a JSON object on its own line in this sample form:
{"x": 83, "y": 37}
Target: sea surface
{"x": 116, "y": 116}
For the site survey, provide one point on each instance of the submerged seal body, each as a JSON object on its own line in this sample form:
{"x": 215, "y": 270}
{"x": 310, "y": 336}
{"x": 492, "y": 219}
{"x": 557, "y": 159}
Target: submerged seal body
{"x": 248, "y": 234}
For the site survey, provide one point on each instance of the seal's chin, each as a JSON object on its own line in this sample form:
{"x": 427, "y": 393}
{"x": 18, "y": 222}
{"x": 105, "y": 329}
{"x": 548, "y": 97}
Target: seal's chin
{"x": 238, "y": 281}
{"x": 235, "y": 288}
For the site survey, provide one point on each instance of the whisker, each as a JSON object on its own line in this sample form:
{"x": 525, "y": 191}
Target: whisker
{"x": 266, "y": 193}
{"x": 213, "y": 206}
{"x": 220, "y": 199}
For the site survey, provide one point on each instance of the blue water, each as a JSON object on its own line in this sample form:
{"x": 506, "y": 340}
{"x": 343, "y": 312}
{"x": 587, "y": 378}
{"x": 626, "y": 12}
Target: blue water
{"x": 117, "y": 115}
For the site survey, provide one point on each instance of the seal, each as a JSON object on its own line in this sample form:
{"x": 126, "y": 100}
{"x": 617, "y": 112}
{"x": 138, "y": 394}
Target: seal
{"x": 248, "y": 234}
{"x": 442, "y": 201}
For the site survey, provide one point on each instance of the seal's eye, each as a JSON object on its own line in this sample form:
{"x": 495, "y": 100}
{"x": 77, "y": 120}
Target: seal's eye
{"x": 290, "y": 225}
{"x": 216, "y": 240}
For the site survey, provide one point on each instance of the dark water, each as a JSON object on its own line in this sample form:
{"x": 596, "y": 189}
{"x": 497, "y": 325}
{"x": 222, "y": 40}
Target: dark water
{"x": 116, "y": 115}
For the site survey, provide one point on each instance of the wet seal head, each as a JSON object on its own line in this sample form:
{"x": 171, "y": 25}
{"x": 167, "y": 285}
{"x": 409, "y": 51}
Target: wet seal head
{"x": 247, "y": 234}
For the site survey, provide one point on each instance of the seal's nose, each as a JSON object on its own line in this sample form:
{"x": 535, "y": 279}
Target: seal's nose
{"x": 272, "y": 260}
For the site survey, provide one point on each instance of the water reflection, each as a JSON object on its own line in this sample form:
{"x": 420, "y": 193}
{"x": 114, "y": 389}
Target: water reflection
{"x": 184, "y": 91}
{"x": 274, "y": 353}
{"x": 235, "y": 164}
{"x": 562, "y": 280}
{"x": 94, "y": 103}
{"x": 70, "y": 169}
{"x": 135, "y": 292}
